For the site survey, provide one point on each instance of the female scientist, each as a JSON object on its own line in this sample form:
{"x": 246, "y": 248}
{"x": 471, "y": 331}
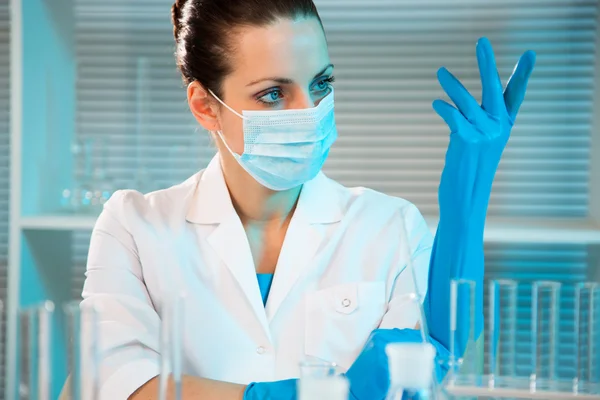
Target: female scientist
{"x": 277, "y": 262}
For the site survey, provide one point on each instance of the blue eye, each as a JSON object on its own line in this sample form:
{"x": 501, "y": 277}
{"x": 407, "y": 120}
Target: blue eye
{"x": 272, "y": 97}
{"x": 324, "y": 84}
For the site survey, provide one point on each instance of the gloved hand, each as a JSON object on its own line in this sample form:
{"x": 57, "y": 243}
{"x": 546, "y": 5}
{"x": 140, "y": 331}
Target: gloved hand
{"x": 478, "y": 137}
{"x": 279, "y": 390}
{"x": 369, "y": 375}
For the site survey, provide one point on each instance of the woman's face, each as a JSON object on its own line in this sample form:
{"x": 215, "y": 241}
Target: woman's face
{"x": 281, "y": 66}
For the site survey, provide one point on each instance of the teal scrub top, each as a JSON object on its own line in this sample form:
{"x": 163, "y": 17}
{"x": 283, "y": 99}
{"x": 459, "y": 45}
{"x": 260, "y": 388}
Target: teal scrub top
{"x": 264, "y": 283}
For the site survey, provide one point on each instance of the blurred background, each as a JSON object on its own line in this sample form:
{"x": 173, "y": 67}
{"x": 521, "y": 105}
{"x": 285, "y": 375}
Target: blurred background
{"x": 91, "y": 102}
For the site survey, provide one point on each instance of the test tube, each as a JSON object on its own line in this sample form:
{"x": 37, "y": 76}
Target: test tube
{"x": 171, "y": 346}
{"x": 466, "y": 361}
{"x": 503, "y": 318}
{"x": 545, "y": 303}
{"x": 87, "y": 188}
{"x": 24, "y": 350}
{"x": 74, "y": 328}
{"x": 84, "y": 363}
{"x": 586, "y": 306}
{"x": 37, "y": 351}
{"x": 417, "y": 298}
{"x": 45, "y": 313}
{"x": 412, "y": 303}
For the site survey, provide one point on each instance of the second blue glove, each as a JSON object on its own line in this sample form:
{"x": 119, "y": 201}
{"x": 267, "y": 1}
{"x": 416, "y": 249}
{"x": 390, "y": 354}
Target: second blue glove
{"x": 369, "y": 376}
{"x": 279, "y": 390}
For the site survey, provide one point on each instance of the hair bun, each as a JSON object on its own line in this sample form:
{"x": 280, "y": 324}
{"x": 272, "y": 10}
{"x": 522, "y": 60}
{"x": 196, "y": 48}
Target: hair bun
{"x": 203, "y": 31}
{"x": 176, "y": 16}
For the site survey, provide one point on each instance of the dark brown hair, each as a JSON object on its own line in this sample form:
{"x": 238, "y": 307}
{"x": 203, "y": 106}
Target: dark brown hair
{"x": 202, "y": 29}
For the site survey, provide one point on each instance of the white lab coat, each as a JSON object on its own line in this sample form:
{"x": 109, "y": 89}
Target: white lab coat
{"x": 341, "y": 273}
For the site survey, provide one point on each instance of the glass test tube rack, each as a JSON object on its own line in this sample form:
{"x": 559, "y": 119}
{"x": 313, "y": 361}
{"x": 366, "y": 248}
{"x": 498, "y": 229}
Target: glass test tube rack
{"x": 543, "y": 381}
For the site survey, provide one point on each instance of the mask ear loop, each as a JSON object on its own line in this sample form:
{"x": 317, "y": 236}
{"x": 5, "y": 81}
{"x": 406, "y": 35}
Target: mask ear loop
{"x": 219, "y": 132}
{"x": 225, "y": 105}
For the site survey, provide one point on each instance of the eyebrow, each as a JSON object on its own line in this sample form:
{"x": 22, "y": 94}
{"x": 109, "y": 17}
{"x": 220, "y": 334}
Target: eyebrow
{"x": 287, "y": 81}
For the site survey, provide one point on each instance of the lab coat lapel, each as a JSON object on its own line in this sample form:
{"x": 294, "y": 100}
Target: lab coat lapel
{"x": 301, "y": 243}
{"x": 229, "y": 241}
{"x": 318, "y": 205}
{"x": 211, "y": 205}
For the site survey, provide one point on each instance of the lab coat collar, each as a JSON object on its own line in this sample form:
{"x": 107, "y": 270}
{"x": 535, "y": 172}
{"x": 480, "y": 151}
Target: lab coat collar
{"x": 319, "y": 202}
{"x": 211, "y": 202}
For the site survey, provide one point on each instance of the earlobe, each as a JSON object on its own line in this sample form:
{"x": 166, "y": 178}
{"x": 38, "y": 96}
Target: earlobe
{"x": 202, "y": 106}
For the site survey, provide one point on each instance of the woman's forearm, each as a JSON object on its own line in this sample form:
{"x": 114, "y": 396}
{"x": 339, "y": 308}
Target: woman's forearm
{"x": 193, "y": 388}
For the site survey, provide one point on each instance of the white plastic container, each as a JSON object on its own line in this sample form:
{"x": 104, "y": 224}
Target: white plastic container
{"x": 324, "y": 388}
{"x": 411, "y": 366}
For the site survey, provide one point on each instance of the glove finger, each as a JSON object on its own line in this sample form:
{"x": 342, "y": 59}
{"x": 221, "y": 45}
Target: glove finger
{"x": 456, "y": 121}
{"x": 407, "y": 335}
{"x": 449, "y": 114}
{"x": 461, "y": 97}
{"x": 492, "y": 100}
{"x": 517, "y": 84}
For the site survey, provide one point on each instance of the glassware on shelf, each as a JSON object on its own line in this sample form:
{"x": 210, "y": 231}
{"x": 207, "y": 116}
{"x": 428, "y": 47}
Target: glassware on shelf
{"x": 92, "y": 186}
{"x": 87, "y": 190}
{"x": 75, "y": 199}
{"x": 84, "y": 349}
{"x": 102, "y": 183}
{"x": 34, "y": 336}
{"x": 70, "y": 196}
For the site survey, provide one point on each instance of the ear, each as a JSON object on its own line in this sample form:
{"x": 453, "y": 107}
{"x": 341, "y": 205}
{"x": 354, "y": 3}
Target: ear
{"x": 203, "y": 106}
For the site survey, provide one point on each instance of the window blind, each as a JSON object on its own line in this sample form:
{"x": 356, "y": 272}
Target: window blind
{"x": 4, "y": 165}
{"x": 132, "y": 105}
{"x": 386, "y": 52}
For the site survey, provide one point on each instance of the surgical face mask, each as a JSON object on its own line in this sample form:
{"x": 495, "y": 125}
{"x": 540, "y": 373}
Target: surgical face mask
{"x": 284, "y": 149}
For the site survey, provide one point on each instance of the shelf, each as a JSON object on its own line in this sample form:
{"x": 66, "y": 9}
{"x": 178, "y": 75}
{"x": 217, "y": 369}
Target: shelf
{"x": 58, "y": 222}
{"x": 542, "y": 231}
{"x": 538, "y": 230}
{"x": 504, "y": 230}
{"x": 520, "y": 387}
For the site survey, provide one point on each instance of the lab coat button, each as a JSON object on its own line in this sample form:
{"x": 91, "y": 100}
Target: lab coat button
{"x": 260, "y": 350}
{"x": 346, "y": 303}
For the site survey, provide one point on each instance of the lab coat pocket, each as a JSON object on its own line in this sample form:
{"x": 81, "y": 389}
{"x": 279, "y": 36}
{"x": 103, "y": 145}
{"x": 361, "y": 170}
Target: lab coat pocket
{"x": 339, "y": 320}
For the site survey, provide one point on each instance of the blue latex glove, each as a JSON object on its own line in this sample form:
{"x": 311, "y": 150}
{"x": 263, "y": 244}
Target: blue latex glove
{"x": 279, "y": 390}
{"x": 478, "y": 137}
{"x": 369, "y": 376}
